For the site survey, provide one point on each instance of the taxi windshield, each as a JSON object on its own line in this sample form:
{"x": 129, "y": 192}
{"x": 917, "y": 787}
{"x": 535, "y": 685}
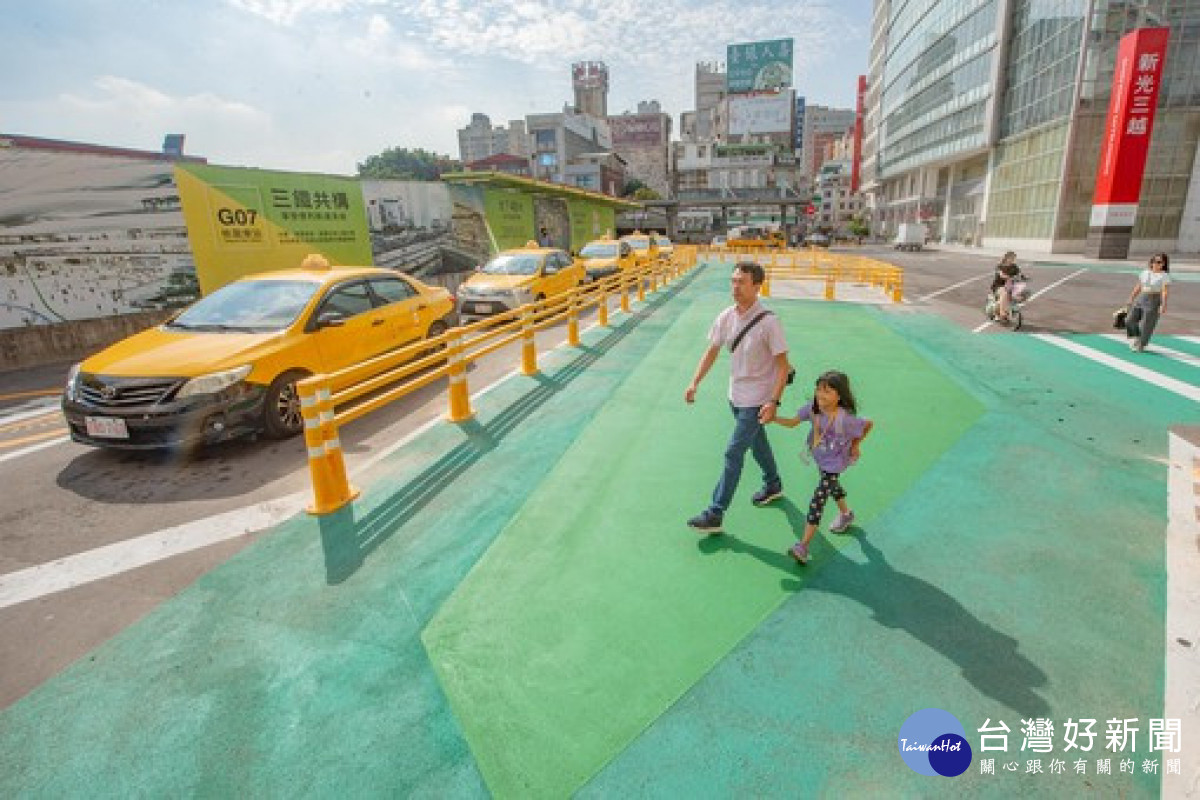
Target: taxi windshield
{"x": 639, "y": 244}
{"x": 513, "y": 265}
{"x": 264, "y": 305}
{"x": 663, "y": 241}
{"x": 595, "y": 250}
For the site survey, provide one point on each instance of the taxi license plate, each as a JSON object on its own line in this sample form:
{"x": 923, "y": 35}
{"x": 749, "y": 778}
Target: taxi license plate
{"x": 106, "y": 427}
{"x": 484, "y": 308}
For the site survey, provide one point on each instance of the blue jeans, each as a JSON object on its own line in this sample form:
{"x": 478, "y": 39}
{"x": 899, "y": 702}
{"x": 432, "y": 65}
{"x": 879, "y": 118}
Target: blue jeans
{"x": 748, "y": 434}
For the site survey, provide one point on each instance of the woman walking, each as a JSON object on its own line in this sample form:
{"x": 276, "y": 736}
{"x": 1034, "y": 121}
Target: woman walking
{"x": 1148, "y": 302}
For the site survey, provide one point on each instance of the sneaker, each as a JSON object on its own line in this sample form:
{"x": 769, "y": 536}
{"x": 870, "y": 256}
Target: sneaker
{"x": 843, "y": 522}
{"x": 799, "y": 551}
{"x": 1133, "y": 345}
{"x": 707, "y": 521}
{"x": 766, "y": 495}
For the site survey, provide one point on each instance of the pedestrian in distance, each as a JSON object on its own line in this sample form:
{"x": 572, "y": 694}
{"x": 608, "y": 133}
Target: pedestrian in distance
{"x": 544, "y": 237}
{"x": 759, "y": 371}
{"x": 833, "y": 443}
{"x": 1148, "y": 301}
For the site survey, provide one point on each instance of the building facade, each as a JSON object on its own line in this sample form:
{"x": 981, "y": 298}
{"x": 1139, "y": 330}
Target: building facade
{"x": 643, "y": 141}
{"x": 989, "y": 116}
{"x": 559, "y": 140}
{"x": 480, "y": 139}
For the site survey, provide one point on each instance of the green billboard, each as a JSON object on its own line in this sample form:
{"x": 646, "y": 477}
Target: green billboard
{"x": 759, "y": 66}
{"x": 509, "y": 217}
{"x": 589, "y": 221}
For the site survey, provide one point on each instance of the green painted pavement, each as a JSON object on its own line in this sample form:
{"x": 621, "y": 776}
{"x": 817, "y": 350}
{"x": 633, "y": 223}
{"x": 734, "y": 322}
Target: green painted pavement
{"x": 1192, "y": 348}
{"x": 1022, "y": 576}
{"x": 597, "y": 608}
{"x": 296, "y": 667}
{"x": 1163, "y": 365}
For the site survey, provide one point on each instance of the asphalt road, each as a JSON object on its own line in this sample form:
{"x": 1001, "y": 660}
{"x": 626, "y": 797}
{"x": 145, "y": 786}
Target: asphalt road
{"x": 63, "y": 499}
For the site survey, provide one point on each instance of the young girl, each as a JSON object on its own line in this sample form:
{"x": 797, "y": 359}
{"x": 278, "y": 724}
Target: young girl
{"x": 833, "y": 442}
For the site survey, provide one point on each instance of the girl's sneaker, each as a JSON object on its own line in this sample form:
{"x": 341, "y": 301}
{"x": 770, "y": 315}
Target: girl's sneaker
{"x": 843, "y": 523}
{"x": 799, "y": 552}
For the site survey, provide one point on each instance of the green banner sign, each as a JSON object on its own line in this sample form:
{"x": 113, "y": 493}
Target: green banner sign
{"x": 509, "y": 216}
{"x": 759, "y": 66}
{"x": 589, "y": 221}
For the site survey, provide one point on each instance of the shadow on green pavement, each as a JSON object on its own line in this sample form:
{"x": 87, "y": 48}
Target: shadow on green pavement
{"x": 347, "y": 540}
{"x": 989, "y": 659}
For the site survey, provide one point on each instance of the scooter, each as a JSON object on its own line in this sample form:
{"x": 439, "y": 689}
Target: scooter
{"x": 1019, "y": 292}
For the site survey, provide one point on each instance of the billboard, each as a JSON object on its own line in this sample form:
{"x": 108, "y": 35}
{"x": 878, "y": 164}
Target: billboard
{"x": 758, "y": 66}
{"x": 798, "y": 142}
{"x": 860, "y": 110}
{"x": 589, "y": 221}
{"x": 1130, "y": 120}
{"x": 241, "y": 221}
{"x": 86, "y": 235}
{"x": 761, "y": 113}
{"x": 637, "y": 130}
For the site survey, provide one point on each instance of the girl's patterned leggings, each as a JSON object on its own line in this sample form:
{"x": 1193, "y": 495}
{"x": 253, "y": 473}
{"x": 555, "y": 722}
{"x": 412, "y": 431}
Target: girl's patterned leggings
{"x": 829, "y": 486}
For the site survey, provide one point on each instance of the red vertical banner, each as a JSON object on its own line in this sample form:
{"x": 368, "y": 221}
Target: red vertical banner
{"x": 1136, "y": 79}
{"x": 856, "y": 163}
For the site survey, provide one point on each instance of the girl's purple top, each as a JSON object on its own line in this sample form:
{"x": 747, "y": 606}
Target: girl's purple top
{"x": 832, "y": 453}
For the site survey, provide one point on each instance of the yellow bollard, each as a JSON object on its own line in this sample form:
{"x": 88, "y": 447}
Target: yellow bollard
{"x": 602, "y": 309}
{"x": 766, "y": 287}
{"x": 898, "y": 289}
{"x": 624, "y": 294}
{"x": 529, "y": 365}
{"x": 641, "y": 287}
{"x": 573, "y": 323}
{"x": 829, "y": 287}
{"x": 331, "y": 488}
{"x": 318, "y": 466}
{"x": 460, "y": 397}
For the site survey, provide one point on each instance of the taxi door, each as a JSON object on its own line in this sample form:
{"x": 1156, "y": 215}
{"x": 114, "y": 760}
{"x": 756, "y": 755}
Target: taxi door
{"x": 348, "y": 327}
{"x": 402, "y": 306}
{"x": 558, "y": 273}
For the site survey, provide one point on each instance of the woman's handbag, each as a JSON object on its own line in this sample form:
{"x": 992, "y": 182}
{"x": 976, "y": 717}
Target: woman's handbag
{"x": 1119, "y": 317}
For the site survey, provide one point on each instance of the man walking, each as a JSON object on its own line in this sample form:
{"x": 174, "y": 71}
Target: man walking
{"x": 758, "y": 374}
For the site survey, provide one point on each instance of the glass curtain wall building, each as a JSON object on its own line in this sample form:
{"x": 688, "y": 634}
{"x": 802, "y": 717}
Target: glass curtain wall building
{"x": 990, "y": 133}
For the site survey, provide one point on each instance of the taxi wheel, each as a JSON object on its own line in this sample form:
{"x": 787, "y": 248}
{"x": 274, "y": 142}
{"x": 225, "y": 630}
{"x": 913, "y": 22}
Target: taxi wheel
{"x": 281, "y": 407}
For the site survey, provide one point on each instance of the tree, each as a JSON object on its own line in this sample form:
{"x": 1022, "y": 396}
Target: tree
{"x": 646, "y": 193}
{"x": 403, "y": 164}
{"x": 631, "y": 186}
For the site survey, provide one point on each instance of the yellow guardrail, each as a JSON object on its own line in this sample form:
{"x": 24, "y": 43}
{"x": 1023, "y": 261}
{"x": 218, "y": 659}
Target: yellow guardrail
{"x": 375, "y": 383}
{"x": 818, "y": 264}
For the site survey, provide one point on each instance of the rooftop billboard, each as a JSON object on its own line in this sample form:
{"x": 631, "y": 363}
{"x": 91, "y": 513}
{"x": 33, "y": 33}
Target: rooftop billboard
{"x": 759, "y": 66}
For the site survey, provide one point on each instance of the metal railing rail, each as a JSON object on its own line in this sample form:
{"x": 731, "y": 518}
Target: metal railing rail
{"x": 813, "y": 264}
{"x": 325, "y": 400}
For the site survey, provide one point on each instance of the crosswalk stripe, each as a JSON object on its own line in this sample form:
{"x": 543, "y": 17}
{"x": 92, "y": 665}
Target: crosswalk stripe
{"x": 1148, "y": 375}
{"x": 1176, "y": 355}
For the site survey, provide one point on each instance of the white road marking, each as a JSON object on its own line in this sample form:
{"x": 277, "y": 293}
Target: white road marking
{"x": 1036, "y": 295}
{"x": 953, "y": 287}
{"x": 1179, "y": 387}
{"x": 1155, "y": 347}
{"x": 45, "y": 411}
{"x": 1181, "y": 691}
{"x": 33, "y": 448}
{"x": 103, "y": 562}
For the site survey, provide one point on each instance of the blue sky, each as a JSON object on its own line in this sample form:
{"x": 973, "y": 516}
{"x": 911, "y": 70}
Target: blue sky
{"x": 319, "y": 85}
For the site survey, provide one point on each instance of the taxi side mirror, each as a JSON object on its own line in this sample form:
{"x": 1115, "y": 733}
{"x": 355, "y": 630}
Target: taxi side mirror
{"x": 330, "y": 319}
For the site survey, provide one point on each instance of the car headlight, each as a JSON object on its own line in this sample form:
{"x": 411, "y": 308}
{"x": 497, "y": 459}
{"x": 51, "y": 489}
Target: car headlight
{"x": 211, "y": 384}
{"x": 73, "y": 382}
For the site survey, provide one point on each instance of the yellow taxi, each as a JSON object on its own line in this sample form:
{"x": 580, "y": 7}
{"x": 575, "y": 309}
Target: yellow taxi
{"x": 228, "y": 364}
{"x": 645, "y": 248}
{"x": 666, "y": 248}
{"x": 605, "y": 257}
{"x": 516, "y": 277}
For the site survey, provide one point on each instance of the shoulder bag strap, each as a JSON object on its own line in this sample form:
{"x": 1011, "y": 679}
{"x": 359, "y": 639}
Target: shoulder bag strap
{"x": 741, "y": 334}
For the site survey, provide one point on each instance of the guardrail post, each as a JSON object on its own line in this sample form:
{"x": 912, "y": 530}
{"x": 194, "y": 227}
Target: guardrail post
{"x": 830, "y": 283}
{"x": 331, "y": 488}
{"x": 529, "y": 364}
{"x": 641, "y": 287}
{"x": 573, "y": 321}
{"x": 766, "y": 287}
{"x": 898, "y": 288}
{"x": 456, "y": 370}
{"x": 625, "y": 294}
{"x": 602, "y": 309}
